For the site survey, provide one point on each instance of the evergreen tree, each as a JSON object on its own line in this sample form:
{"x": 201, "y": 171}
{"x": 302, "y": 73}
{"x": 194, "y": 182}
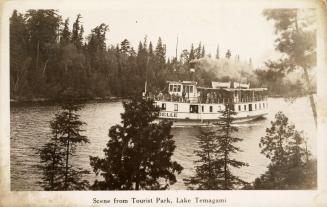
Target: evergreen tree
{"x": 217, "y": 52}
{"x": 198, "y": 52}
{"x": 160, "y": 52}
{"x": 20, "y": 59}
{"x": 125, "y": 47}
{"x": 203, "y": 53}
{"x": 216, "y": 151}
{"x": 138, "y": 153}
{"x": 58, "y": 171}
{"x": 184, "y": 57}
{"x": 150, "y": 49}
{"x": 48, "y": 60}
{"x": 290, "y": 166}
{"x": 77, "y": 33}
{"x": 227, "y": 148}
{"x": 296, "y": 39}
{"x": 228, "y": 54}
{"x": 207, "y": 173}
{"x": 43, "y": 26}
{"x": 65, "y": 34}
{"x": 191, "y": 54}
{"x": 52, "y": 161}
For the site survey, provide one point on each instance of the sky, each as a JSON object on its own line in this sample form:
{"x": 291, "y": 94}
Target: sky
{"x": 242, "y": 29}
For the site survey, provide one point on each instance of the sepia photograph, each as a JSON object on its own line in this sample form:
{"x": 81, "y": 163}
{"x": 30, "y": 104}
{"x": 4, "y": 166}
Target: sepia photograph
{"x": 183, "y": 97}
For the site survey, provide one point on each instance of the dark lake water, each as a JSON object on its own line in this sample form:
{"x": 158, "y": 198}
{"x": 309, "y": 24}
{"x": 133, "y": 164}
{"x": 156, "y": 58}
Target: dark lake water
{"x": 30, "y": 130}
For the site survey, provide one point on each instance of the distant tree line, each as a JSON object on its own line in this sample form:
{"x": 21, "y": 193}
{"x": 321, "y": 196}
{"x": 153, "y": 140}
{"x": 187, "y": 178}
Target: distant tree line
{"x": 49, "y": 60}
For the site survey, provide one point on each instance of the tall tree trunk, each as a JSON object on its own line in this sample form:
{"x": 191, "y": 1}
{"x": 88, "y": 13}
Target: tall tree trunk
{"x": 66, "y": 166}
{"x": 209, "y": 164}
{"x": 45, "y": 67}
{"x": 53, "y": 165}
{"x": 67, "y": 154}
{"x": 137, "y": 183}
{"x": 307, "y": 79}
{"x": 225, "y": 154}
{"x": 37, "y": 56}
{"x": 312, "y": 102}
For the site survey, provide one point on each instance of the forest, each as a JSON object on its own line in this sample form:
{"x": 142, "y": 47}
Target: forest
{"x": 48, "y": 61}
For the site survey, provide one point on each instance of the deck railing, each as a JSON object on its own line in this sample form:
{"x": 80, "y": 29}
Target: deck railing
{"x": 209, "y": 100}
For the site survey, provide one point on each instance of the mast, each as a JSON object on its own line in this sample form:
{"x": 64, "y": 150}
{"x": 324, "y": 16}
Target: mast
{"x": 176, "y": 47}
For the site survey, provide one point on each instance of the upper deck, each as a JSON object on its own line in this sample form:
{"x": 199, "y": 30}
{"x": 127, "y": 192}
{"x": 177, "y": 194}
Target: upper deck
{"x": 221, "y": 92}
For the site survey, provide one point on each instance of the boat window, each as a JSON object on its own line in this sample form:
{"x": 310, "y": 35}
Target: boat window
{"x": 175, "y": 107}
{"x": 178, "y": 88}
{"x": 239, "y": 108}
{"x": 163, "y": 106}
{"x": 255, "y": 106}
{"x": 202, "y": 108}
{"x": 210, "y": 108}
{"x": 189, "y": 89}
{"x": 263, "y": 105}
{"x": 194, "y": 109}
{"x": 259, "y": 105}
{"x": 244, "y": 107}
{"x": 171, "y": 88}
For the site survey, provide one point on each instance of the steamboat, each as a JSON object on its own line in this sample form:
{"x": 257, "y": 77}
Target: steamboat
{"x": 185, "y": 101}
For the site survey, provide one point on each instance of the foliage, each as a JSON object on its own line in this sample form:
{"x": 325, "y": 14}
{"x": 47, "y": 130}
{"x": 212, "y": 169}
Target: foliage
{"x": 290, "y": 166}
{"x": 227, "y": 148}
{"x": 56, "y": 155}
{"x": 216, "y": 156}
{"x": 48, "y": 60}
{"x": 138, "y": 153}
{"x": 296, "y": 39}
{"x": 207, "y": 173}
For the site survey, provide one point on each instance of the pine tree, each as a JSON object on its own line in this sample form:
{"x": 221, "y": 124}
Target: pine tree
{"x": 290, "y": 165}
{"x": 138, "y": 153}
{"x": 296, "y": 39}
{"x": 207, "y": 173}
{"x": 203, "y": 53}
{"x": 77, "y": 33}
{"x": 65, "y": 34}
{"x": 43, "y": 32}
{"x": 217, "y": 52}
{"x": 227, "y": 148}
{"x": 125, "y": 47}
{"x": 198, "y": 52}
{"x": 52, "y": 160}
{"x": 216, "y": 150}
{"x": 160, "y": 52}
{"x": 191, "y": 54}
{"x": 228, "y": 54}
{"x": 58, "y": 171}
{"x": 19, "y": 56}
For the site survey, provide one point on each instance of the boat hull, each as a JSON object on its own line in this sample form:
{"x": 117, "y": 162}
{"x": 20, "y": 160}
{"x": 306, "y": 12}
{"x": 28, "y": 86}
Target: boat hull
{"x": 202, "y": 114}
{"x": 199, "y": 122}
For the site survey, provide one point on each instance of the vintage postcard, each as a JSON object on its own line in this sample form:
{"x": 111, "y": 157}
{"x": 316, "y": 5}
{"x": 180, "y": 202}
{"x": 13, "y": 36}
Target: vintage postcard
{"x": 163, "y": 103}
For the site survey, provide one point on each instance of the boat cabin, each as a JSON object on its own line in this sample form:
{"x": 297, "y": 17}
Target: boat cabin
{"x": 184, "y": 91}
{"x": 184, "y": 100}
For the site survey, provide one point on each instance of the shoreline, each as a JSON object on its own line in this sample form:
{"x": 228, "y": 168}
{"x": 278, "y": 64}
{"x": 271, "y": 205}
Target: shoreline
{"x": 23, "y": 101}
{"x": 88, "y": 100}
